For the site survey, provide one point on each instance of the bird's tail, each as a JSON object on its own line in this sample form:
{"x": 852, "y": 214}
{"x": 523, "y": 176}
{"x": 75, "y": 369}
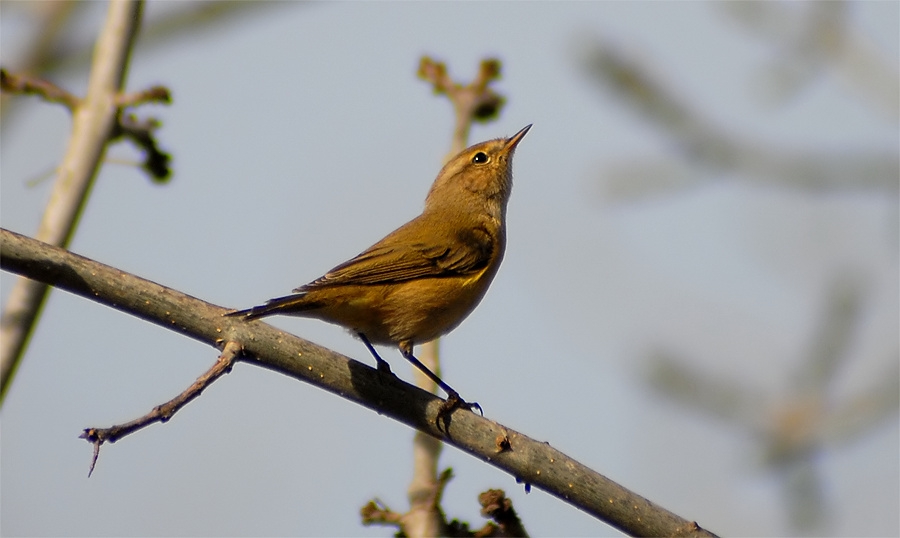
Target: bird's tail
{"x": 289, "y": 304}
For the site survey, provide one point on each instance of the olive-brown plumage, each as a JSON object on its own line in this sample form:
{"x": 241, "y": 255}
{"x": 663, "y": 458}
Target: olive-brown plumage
{"x": 424, "y": 278}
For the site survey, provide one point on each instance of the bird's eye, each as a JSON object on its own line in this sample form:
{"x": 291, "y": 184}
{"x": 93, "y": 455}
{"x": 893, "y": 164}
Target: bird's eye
{"x": 480, "y": 158}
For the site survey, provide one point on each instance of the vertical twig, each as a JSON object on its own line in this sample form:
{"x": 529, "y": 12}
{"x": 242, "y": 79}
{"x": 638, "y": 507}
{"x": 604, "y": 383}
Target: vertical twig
{"x": 93, "y": 123}
{"x": 469, "y": 104}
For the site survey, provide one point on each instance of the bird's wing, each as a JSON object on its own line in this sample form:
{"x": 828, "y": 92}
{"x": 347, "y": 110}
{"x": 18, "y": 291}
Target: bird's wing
{"x": 397, "y": 258}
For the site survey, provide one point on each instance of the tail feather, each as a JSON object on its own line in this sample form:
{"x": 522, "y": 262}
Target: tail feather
{"x": 289, "y": 304}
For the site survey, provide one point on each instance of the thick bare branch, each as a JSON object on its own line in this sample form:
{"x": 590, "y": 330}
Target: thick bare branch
{"x": 531, "y": 461}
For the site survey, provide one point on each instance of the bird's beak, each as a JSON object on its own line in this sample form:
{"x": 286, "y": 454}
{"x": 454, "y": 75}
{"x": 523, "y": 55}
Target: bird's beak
{"x": 516, "y": 138}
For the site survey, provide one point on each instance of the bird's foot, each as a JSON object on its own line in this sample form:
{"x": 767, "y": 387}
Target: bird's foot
{"x": 384, "y": 371}
{"x": 384, "y": 367}
{"x": 451, "y": 404}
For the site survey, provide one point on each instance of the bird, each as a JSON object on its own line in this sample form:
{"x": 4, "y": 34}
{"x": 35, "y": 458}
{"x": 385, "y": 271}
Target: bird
{"x": 423, "y": 279}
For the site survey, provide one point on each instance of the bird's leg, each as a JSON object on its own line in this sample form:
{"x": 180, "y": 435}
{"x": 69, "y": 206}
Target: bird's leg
{"x": 453, "y": 399}
{"x": 383, "y": 366}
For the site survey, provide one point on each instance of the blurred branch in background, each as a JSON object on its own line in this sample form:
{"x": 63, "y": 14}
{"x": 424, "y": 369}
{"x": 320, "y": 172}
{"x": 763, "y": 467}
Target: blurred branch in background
{"x": 811, "y": 39}
{"x": 53, "y": 44}
{"x": 472, "y": 102}
{"x": 95, "y": 123}
{"x": 796, "y": 427}
{"x": 808, "y": 41}
{"x": 24, "y": 84}
{"x": 494, "y": 505}
{"x": 709, "y": 150}
{"x": 97, "y": 119}
{"x": 45, "y": 23}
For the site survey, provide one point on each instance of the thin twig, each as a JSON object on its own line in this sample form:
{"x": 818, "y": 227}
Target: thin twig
{"x": 154, "y": 94}
{"x": 26, "y": 84}
{"x": 156, "y": 162}
{"x": 495, "y": 505}
{"x": 475, "y": 101}
{"x": 375, "y": 512}
{"x": 163, "y": 412}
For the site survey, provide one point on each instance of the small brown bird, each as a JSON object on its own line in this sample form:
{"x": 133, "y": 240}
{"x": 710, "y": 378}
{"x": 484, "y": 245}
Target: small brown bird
{"x": 425, "y": 277}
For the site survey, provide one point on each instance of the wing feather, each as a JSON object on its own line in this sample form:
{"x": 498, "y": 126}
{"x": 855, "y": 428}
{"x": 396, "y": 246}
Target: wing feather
{"x": 394, "y": 260}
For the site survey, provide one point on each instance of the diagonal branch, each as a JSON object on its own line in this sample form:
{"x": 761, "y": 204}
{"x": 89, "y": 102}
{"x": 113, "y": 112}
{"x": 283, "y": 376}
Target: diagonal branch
{"x": 533, "y": 462}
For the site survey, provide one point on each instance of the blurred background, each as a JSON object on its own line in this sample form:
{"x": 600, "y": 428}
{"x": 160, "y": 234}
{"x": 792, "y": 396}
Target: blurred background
{"x": 699, "y": 298}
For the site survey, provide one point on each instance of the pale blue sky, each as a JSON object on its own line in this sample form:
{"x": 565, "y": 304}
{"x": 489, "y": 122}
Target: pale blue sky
{"x": 300, "y": 135}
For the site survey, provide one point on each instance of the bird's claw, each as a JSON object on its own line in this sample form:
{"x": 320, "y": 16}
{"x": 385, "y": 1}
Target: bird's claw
{"x": 451, "y": 404}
